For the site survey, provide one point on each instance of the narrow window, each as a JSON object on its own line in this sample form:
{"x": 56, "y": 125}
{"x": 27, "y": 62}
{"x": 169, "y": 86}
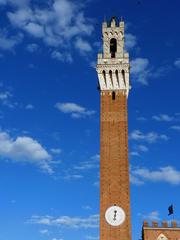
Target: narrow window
{"x": 123, "y": 76}
{"x": 113, "y": 95}
{"x": 117, "y": 77}
{"x": 104, "y": 75}
{"x": 110, "y": 74}
{"x": 113, "y": 47}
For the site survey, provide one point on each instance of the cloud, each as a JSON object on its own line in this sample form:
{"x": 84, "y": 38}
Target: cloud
{"x": 87, "y": 207}
{"x": 66, "y": 221}
{"x": 83, "y": 46}
{"x": 177, "y": 63}
{"x": 9, "y": 42}
{"x": 63, "y": 57}
{"x": 56, "y": 150}
{"x": 150, "y": 137}
{"x": 141, "y": 119}
{"x": 136, "y": 181}
{"x": 152, "y": 216}
{"x": 16, "y": 3}
{"x": 6, "y": 99}
{"x": 44, "y": 231}
{"x": 175, "y": 127}
{"x": 92, "y": 237}
{"x": 163, "y": 118}
{"x": 140, "y": 70}
{"x": 25, "y": 150}
{"x": 130, "y": 41}
{"x": 70, "y": 176}
{"x": 60, "y": 24}
{"x": 29, "y": 107}
{"x": 33, "y": 47}
{"x": 166, "y": 174}
{"x": 75, "y": 110}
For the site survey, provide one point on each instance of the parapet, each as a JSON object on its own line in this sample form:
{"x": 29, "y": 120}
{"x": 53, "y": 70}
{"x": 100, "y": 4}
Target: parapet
{"x": 163, "y": 224}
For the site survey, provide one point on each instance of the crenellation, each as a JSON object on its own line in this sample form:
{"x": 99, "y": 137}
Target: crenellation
{"x": 154, "y": 224}
{"x": 163, "y": 224}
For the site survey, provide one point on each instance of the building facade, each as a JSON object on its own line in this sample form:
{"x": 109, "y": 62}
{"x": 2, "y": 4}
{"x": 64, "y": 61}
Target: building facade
{"x": 163, "y": 231}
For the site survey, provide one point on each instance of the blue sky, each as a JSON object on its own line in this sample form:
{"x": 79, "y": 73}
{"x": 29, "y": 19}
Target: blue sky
{"x": 49, "y": 115}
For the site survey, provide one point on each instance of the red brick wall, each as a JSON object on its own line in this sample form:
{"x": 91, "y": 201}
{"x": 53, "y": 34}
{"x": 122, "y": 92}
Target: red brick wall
{"x": 114, "y": 165}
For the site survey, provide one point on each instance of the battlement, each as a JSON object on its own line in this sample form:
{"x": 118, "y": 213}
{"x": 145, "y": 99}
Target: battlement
{"x": 114, "y": 22}
{"x": 163, "y": 224}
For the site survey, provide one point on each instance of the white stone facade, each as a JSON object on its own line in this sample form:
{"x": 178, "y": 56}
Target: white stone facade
{"x": 113, "y": 64}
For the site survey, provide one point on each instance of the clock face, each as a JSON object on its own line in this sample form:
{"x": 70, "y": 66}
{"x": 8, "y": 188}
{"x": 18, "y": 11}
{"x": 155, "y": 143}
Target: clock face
{"x": 115, "y": 216}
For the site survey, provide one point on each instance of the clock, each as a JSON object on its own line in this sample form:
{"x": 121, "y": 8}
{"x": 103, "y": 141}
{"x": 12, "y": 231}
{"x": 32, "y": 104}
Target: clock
{"x": 115, "y": 216}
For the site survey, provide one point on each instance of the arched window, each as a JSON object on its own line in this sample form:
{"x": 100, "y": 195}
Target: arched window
{"x": 104, "y": 75}
{"x": 162, "y": 237}
{"x": 113, "y": 47}
{"x": 111, "y": 77}
{"x": 123, "y": 76}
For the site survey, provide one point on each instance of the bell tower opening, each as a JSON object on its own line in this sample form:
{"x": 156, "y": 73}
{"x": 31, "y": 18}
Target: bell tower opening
{"x": 113, "y": 47}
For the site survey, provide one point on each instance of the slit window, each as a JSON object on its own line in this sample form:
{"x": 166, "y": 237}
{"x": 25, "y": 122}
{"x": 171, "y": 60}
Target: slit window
{"x": 113, "y": 95}
{"x": 113, "y": 47}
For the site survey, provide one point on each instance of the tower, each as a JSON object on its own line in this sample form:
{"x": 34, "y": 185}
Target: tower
{"x": 113, "y": 74}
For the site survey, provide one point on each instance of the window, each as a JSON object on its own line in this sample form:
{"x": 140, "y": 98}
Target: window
{"x": 162, "y": 237}
{"x": 113, "y": 95}
{"x": 113, "y": 47}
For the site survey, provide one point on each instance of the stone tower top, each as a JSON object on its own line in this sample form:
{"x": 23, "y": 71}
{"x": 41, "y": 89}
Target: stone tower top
{"x": 113, "y": 38}
{"x": 113, "y": 63}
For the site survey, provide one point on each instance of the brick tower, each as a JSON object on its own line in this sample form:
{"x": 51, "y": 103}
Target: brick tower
{"x": 113, "y": 74}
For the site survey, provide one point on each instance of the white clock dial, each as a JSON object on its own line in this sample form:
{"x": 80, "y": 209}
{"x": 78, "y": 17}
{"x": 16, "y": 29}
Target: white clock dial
{"x": 115, "y": 216}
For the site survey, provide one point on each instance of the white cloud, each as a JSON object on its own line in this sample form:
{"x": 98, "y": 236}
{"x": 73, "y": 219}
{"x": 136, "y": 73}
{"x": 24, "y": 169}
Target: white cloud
{"x": 175, "y": 127}
{"x": 142, "y": 148}
{"x": 56, "y": 150}
{"x": 150, "y": 137}
{"x": 130, "y": 41}
{"x": 6, "y": 99}
{"x": 83, "y": 46}
{"x": 9, "y": 42}
{"x": 33, "y": 47}
{"x": 63, "y": 57}
{"x": 152, "y": 216}
{"x": 74, "y": 109}
{"x": 140, "y": 70}
{"x": 17, "y": 3}
{"x": 66, "y": 221}
{"x": 177, "y": 63}
{"x": 56, "y": 24}
{"x": 141, "y": 118}
{"x": 163, "y": 118}
{"x": 29, "y": 107}
{"x": 70, "y": 177}
{"x": 87, "y": 207}
{"x": 136, "y": 181}
{"x": 134, "y": 153}
{"x": 92, "y": 237}
{"x": 44, "y": 231}
{"x": 166, "y": 174}
{"x": 26, "y": 150}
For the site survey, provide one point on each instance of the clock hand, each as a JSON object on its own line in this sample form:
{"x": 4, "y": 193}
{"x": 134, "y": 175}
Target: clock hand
{"x": 115, "y": 212}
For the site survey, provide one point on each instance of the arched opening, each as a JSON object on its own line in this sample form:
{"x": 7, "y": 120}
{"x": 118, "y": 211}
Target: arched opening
{"x": 113, "y": 95}
{"x": 123, "y": 76}
{"x": 117, "y": 77}
{"x": 104, "y": 75}
{"x": 162, "y": 237}
{"x": 110, "y": 74}
{"x": 113, "y": 47}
